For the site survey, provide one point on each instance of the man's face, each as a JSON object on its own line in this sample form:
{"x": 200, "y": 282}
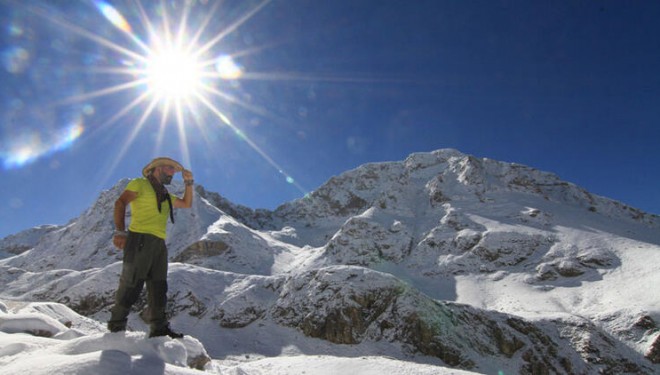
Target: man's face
{"x": 166, "y": 174}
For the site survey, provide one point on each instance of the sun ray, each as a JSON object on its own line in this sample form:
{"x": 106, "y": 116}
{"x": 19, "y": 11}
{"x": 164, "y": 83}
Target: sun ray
{"x": 200, "y": 127}
{"x": 183, "y": 139}
{"x": 232, "y": 99}
{"x": 183, "y": 23}
{"x": 253, "y": 145}
{"x": 131, "y": 138}
{"x": 303, "y": 77}
{"x": 146, "y": 22}
{"x": 89, "y": 35}
{"x": 114, "y": 70}
{"x": 242, "y": 53}
{"x": 101, "y": 92}
{"x": 165, "y": 113}
{"x": 171, "y": 51}
{"x": 138, "y": 127}
{"x": 166, "y": 22}
{"x": 117, "y": 19}
{"x": 204, "y": 24}
{"x": 127, "y": 108}
{"x": 231, "y": 28}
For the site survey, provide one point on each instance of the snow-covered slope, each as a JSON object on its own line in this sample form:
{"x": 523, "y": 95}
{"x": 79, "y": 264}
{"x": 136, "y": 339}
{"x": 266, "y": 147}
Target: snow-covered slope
{"x": 23, "y": 241}
{"x": 35, "y": 339}
{"x": 443, "y": 259}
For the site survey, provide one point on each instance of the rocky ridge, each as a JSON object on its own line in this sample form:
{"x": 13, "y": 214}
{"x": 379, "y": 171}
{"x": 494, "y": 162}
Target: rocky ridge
{"x": 377, "y": 257}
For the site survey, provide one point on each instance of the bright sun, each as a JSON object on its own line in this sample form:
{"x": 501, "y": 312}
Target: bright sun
{"x": 180, "y": 69}
{"x": 173, "y": 74}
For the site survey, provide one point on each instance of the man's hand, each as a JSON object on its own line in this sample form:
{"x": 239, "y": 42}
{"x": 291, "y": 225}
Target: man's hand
{"x": 119, "y": 241}
{"x": 186, "y": 202}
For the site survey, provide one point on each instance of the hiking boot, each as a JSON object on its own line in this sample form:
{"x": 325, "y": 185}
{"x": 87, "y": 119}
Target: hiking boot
{"x": 166, "y": 331}
{"x": 116, "y": 327}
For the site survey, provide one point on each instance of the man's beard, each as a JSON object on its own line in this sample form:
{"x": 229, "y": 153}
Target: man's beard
{"x": 165, "y": 179}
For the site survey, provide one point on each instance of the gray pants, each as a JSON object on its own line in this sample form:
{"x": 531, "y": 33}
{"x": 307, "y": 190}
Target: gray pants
{"x": 145, "y": 261}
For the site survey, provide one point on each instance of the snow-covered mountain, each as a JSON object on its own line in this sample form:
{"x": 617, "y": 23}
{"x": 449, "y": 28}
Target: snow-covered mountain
{"x": 442, "y": 259}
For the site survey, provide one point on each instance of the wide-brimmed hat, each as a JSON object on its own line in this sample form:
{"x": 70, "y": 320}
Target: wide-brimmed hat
{"x": 157, "y": 162}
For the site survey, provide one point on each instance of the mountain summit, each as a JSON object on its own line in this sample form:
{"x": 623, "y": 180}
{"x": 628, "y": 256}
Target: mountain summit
{"x": 442, "y": 258}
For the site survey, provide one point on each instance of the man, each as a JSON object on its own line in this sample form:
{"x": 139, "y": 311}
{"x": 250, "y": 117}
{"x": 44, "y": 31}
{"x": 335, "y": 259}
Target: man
{"x": 145, "y": 254}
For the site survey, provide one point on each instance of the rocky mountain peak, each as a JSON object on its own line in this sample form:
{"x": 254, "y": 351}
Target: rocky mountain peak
{"x": 470, "y": 261}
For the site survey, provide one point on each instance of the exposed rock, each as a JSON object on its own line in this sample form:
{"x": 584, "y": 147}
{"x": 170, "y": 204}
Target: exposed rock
{"x": 26, "y": 240}
{"x": 653, "y": 353}
{"x": 348, "y": 305}
{"x": 201, "y": 249}
{"x": 199, "y": 362}
{"x": 430, "y": 217}
{"x": 646, "y": 322}
{"x": 337, "y": 312}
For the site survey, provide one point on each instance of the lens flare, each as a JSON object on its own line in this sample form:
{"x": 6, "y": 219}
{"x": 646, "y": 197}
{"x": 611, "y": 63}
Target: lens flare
{"x": 227, "y": 68}
{"x": 29, "y": 146}
{"x": 15, "y": 59}
{"x": 66, "y": 138}
{"x": 113, "y": 16}
{"x": 14, "y": 30}
{"x": 178, "y": 71}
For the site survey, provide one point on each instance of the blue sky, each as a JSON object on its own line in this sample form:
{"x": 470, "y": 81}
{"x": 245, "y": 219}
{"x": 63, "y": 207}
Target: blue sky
{"x": 570, "y": 87}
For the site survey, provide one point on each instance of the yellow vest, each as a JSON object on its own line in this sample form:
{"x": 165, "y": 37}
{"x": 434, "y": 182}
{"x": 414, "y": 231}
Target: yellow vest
{"x": 145, "y": 217}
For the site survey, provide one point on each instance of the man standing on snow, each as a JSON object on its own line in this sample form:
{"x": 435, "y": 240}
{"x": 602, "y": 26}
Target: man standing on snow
{"x": 145, "y": 254}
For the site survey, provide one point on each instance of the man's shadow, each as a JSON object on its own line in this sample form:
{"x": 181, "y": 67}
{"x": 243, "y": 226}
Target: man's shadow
{"x": 116, "y": 362}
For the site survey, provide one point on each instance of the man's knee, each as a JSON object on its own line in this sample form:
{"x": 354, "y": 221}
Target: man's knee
{"x": 127, "y": 295}
{"x": 158, "y": 288}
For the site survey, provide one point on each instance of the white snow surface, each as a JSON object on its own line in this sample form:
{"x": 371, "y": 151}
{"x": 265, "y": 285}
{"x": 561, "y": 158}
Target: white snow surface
{"x": 36, "y": 342}
{"x": 438, "y": 233}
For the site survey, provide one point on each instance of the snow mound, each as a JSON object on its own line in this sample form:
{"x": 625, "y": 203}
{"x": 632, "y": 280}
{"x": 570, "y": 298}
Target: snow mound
{"x": 34, "y": 324}
{"x": 70, "y": 348}
{"x": 59, "y": 349}
{"x": 330, "y": 365}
